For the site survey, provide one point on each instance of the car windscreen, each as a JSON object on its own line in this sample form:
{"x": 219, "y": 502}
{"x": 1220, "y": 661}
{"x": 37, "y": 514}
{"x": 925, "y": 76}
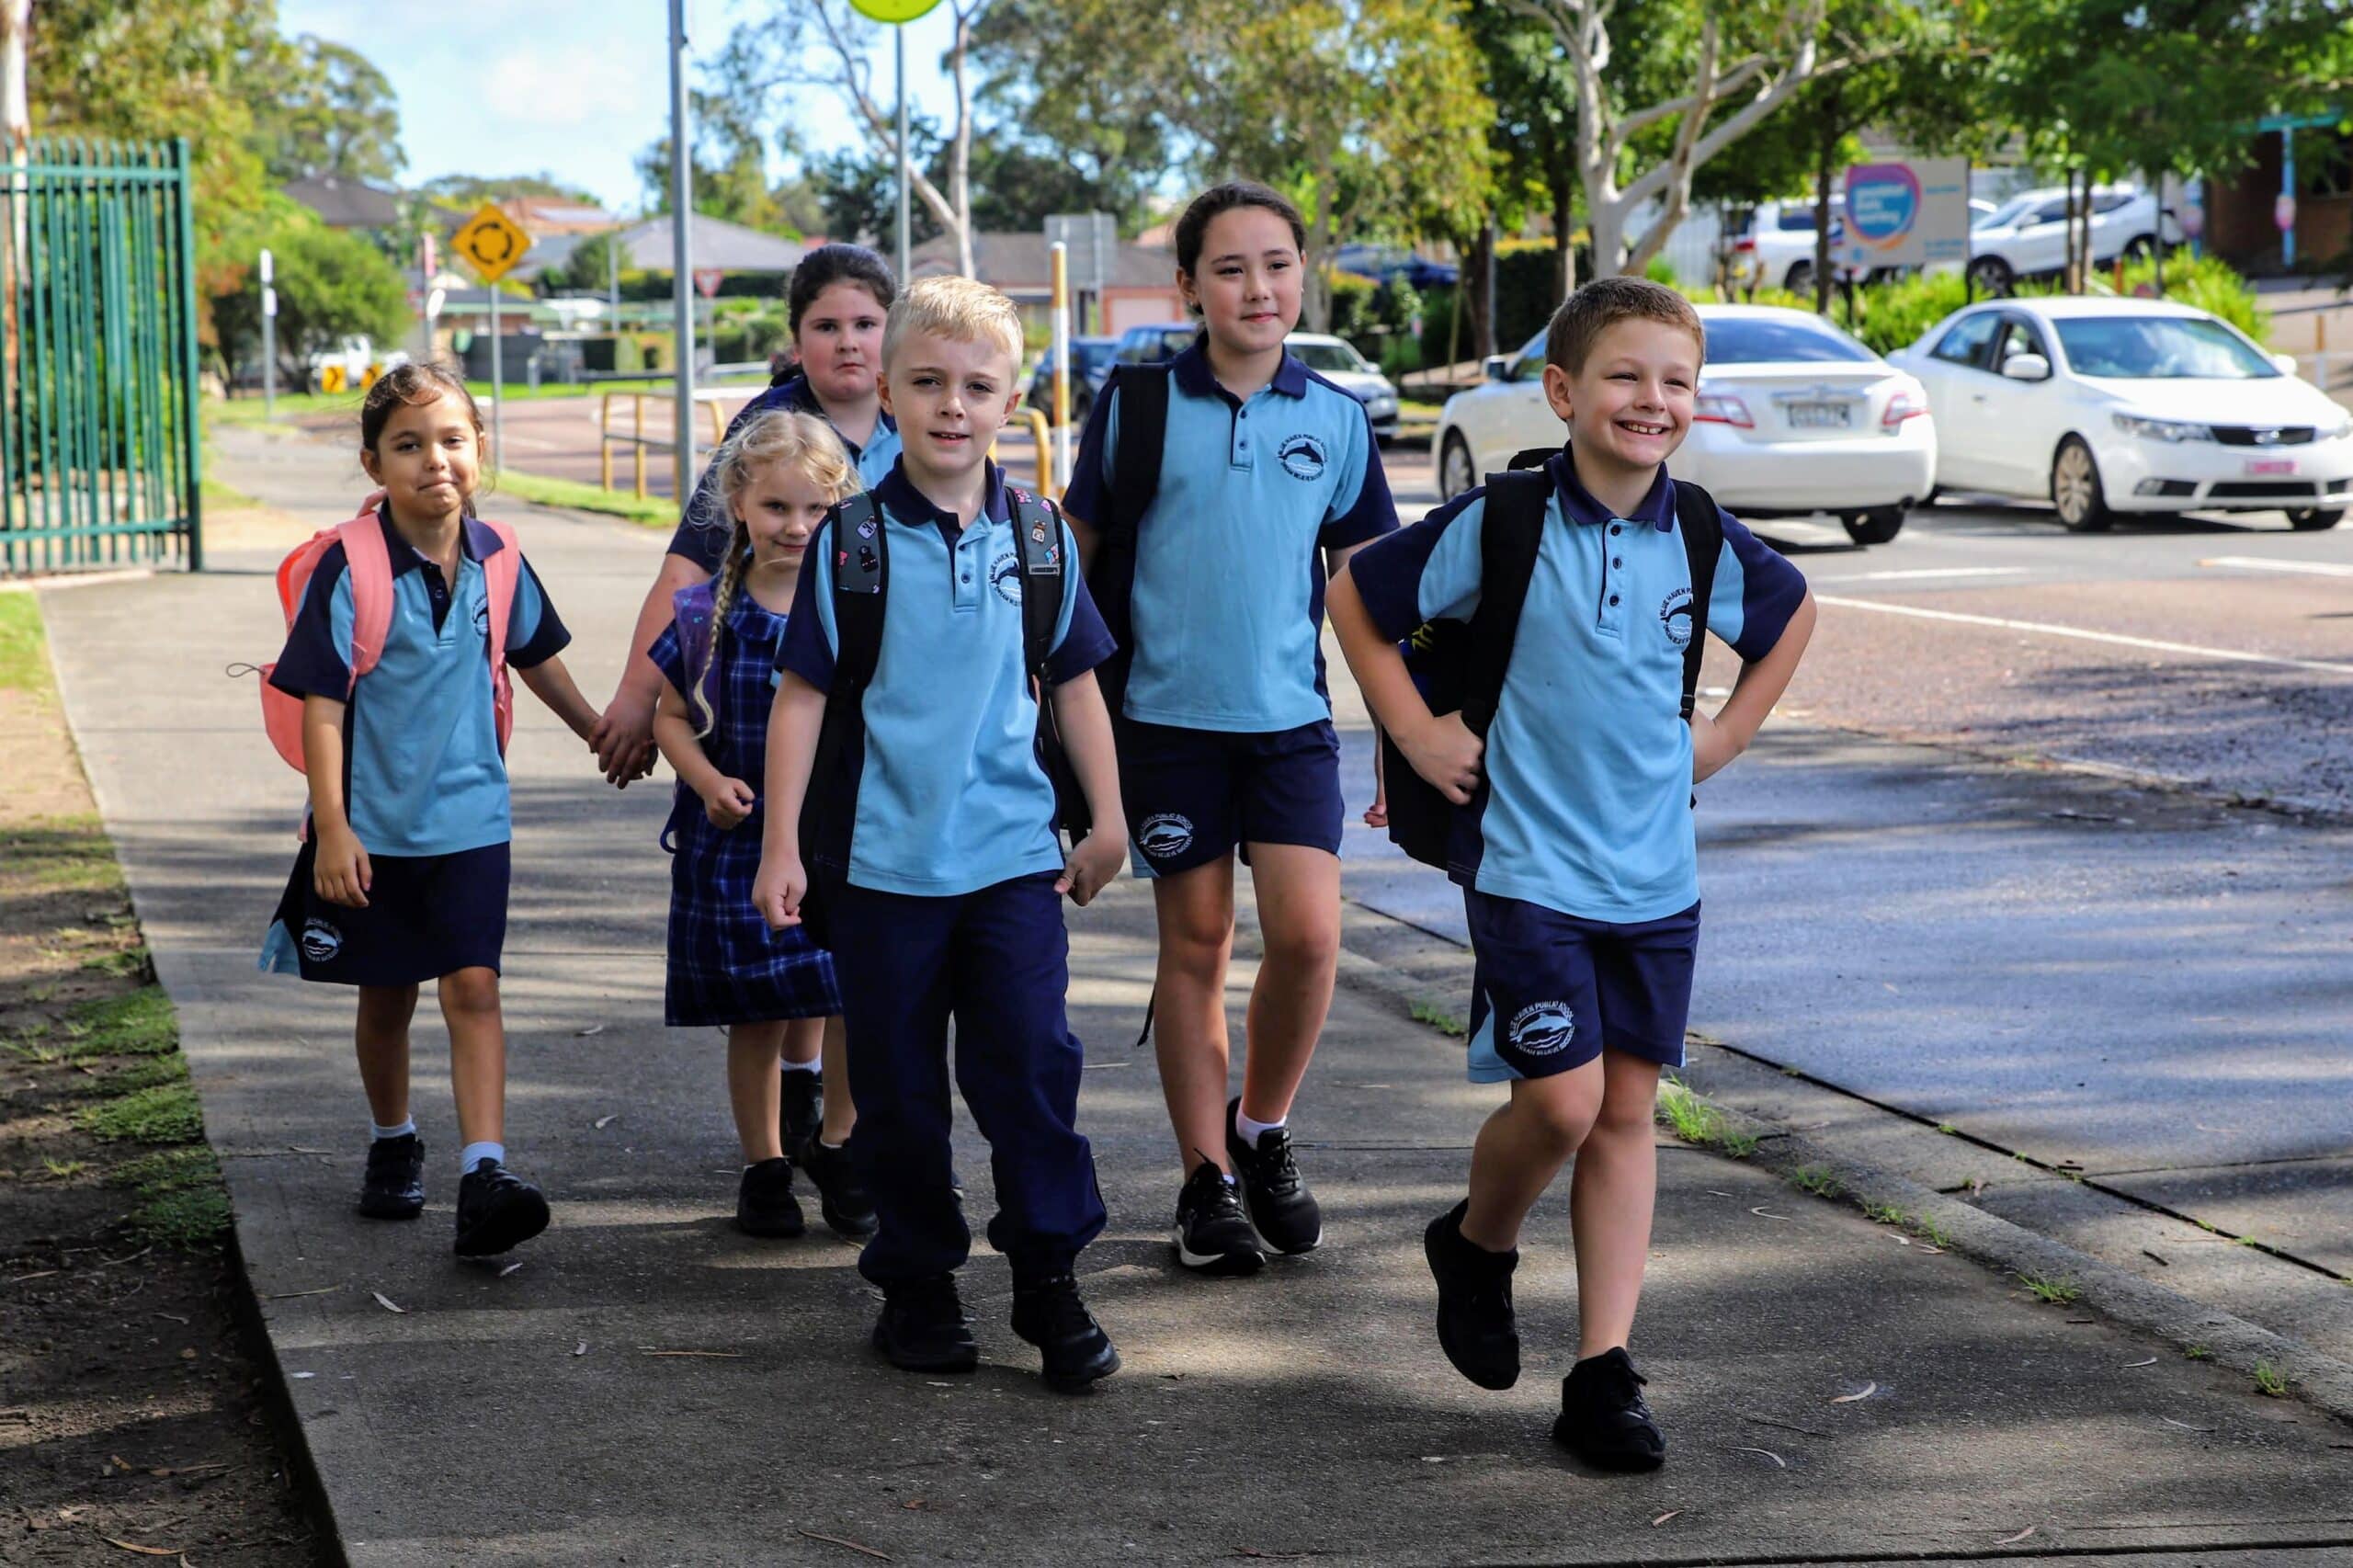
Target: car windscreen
{"x": 2008, "y": 212}
{"x": 1327, "y": 356}
{"x": 2160, "y": 348}
{"x": 1772, "y": 340}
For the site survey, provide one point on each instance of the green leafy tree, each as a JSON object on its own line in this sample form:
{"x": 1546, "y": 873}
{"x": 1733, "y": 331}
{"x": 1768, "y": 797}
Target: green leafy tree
{"x": 322, "y": 108}
{"x": 859, "y": 192}
{"x": 331, "y": 285}
{"x": 463, "y": 193}
{"x": 730, "y": 174}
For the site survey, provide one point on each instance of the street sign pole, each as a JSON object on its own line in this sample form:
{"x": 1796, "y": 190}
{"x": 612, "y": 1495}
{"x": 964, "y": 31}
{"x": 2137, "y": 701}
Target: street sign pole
{"x": 498, "y": 390}
{"x": 268, "y": 340}
{"x": 1061, "y": 471}
{"x": 682, "y": 299}
{"x": 494, "y": 242}
{"x": 899, "y": 36}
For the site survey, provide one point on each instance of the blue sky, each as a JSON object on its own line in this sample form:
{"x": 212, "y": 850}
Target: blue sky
{"x": 575, "y": 87}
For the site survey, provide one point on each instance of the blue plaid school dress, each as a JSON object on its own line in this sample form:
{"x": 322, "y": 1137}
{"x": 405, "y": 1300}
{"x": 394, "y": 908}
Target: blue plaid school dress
{"x": 726, "y": 965}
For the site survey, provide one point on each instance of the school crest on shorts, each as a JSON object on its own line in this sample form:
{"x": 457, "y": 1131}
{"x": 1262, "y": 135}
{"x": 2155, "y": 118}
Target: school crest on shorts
{"x": 321, "y": 941}
{"x": 1302, "y": 457}
{"x": 1675, "y": 615}
{"x": 1165, "y": 835}
{"x": 1542, "y": 1028}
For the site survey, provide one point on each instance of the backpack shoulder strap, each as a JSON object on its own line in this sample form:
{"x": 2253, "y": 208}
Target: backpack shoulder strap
{"x": 1143, "y": 406}
{"x": 369, "y": 564}
{"x": 1511, "y": 528}
{"x": 502, "y": 572}
{"x": 1702, "y": 528}
{"x": 1037, "y": 536}
{"x": 693, "y": 610}
{"x": 861, "y": 565}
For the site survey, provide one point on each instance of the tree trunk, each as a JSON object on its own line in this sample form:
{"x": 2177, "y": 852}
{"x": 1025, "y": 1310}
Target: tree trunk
{"x": 1564, "y": 248}
{"x": 1471, "y": 289}
{"x": 960, "y": 171}
{"x": 1829, "y": 150}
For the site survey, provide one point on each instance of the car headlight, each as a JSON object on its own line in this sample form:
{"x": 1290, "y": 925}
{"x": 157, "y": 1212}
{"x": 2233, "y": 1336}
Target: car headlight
{"x": 2163, "y": 429}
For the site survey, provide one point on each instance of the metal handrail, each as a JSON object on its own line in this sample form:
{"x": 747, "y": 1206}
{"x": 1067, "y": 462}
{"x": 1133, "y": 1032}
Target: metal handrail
{"x": 1042, "y": 434}
{"x": 637, "y": 441}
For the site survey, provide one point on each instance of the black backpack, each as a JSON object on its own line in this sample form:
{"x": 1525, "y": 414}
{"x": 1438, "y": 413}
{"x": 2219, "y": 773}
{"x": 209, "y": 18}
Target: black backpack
{"x": 1142, "y": 391}
{"x": 861, "y": 590}
{"x": 1460, "y": 666}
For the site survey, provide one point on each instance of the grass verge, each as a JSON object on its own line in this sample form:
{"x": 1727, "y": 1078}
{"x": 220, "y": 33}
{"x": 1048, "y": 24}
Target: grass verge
{"x": 1694, "y": 1120}
{"x": 651, "y": 510}
{"x": 1451, "y": 1025}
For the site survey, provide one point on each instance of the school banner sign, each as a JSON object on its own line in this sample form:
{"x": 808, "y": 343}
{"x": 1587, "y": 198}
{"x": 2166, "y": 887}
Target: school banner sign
{"x": 1907, "y": 214}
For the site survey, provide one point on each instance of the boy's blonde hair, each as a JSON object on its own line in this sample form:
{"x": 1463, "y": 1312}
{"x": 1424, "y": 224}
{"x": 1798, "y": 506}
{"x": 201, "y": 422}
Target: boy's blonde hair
{"x": 957, "y": 308}
{"x": 1601, "y": 304}
{"x": 780, "y": 435}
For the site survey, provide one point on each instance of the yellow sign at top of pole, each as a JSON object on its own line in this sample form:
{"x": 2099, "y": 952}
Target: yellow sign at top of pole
{"x": 894, "y": 11}
{"x": 492, "y": 241}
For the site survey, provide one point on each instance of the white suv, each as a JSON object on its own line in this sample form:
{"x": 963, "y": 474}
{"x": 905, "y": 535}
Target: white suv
{"x": 2027, "y": 236}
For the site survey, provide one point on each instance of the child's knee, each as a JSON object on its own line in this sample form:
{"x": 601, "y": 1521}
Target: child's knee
{"x": 473, "y": 992}
{"x": 1310, "y": 947}
{"x": 1560, "y": 1111}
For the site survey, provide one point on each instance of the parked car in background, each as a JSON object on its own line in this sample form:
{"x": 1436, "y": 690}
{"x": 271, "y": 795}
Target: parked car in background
{"x": 1088, "y": 358}
{"x": 1336, "y": 360}
{"x": 2107, "y": 406}
{"x": 345, "y": 367}
{"x": 1791, "y": 417}
{"x": 2027, "y": 236}
{"x": 1380, "y": 263}
{"x": 1777, "y": 246}
{"x": 1148, "y": 345}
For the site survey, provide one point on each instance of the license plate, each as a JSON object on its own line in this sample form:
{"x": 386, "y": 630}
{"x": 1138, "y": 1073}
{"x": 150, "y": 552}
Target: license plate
{"x": 2271, "y": 465}
{"x": 1822, "y": 415}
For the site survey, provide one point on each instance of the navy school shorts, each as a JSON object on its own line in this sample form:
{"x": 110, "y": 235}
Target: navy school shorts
{"x": 428, "y": 915}
{"x": 1551, "y": 990}
{"x": 1195, "y": 796}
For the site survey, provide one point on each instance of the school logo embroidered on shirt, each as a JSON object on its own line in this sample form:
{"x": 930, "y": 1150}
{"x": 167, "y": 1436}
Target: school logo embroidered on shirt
{"x": 1302, "y": 457}
{"x": 1004, "y": 576}
{"x": 321, "y": 941}
{"x": 481, "y": 618}
{"x": 1542, "y": 1028}
{"x": 1676, "y": 616}
{"x": 1164, "y": 835}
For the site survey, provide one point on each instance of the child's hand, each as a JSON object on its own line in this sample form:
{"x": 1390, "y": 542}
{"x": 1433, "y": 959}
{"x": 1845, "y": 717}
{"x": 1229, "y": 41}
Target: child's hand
{"x": 778, "y": 890}
{"x": 1093, "y": 863}
{"x": 729, "y": 803}
{"x": 1377, "y": 814}
{"x": 623, "y": 739}
{"x": 1445, "y": 752}
{"x": 1713, "y": 746}
{"x": 340, "y": 870}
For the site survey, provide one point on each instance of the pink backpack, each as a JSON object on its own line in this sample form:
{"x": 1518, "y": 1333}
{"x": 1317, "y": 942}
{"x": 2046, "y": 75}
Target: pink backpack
{"x": 372, "y": 617}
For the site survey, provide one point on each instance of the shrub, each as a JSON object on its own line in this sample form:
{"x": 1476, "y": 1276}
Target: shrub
{"x": 2208, "y": 283}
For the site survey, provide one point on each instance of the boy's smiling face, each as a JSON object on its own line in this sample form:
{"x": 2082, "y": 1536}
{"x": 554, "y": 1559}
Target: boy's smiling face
{"x": 1630, "y": 406}
{"x": 949, "y": 398}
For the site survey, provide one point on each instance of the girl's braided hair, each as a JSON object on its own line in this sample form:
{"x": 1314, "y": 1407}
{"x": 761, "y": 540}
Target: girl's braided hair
{"x": 778, "y": 436}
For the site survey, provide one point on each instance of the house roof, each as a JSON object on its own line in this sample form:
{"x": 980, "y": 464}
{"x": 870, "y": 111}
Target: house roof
{"x": 711, "y": 242}
{"x": 1019, "y": 259}
{"x": 345, "y": 203}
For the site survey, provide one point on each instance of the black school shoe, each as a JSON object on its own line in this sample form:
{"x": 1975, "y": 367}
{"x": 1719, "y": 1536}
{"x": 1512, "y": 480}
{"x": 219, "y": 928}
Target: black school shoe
{"x": 801, "y": 1109}
{"x": 924, "y": 1329}
{"x": 764, "y": 1202}
{"x": 1285, "y": 1213}
{"x": 1475, "y": 1328}
{"x": 393, "y": 1187}
{"x": 1604, "y": 1419}
{"x": 1213, "y": 1234}
{"x": 1048, "y": 1315}
{"x": 497, "y": 1210}
{"x": 841, "y": 1197}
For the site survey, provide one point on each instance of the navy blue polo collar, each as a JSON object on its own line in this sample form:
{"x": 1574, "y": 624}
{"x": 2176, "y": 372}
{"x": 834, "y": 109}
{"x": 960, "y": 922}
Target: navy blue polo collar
{"x": 1578, "y": 505}
{"x": 903, "y": 503}
{"x": 795, "y": 394}
{"x": 477, "y": 541}
{"x": 1195, "y": 379}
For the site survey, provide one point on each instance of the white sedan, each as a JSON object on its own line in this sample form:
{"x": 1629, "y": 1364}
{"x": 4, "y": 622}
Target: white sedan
{"x": 2105, "y": 407}
{"x": 1793, "y": 417}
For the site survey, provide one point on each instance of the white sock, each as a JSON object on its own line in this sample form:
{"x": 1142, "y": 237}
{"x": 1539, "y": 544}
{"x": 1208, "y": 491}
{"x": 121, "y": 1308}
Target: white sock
{"x": 814, "y": 1063}
{"x": 473, "y": 1153}
{"x": 1251, "y": 1130}
{"x": 406, "y": 1127}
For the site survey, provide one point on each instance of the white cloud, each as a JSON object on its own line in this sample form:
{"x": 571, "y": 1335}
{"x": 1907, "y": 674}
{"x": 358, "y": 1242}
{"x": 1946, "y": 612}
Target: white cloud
{"x": 578, "y": 86}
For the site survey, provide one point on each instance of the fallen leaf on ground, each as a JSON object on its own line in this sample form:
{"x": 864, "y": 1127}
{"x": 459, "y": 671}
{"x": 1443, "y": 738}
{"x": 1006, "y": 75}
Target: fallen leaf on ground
{"x": 510, "y": 1269}
{"x": 143, "y": 1551}
{"x": 1868, "y": 1390}
{"x": 581, "y": 1349}
{"x": 298, "y": 1376}
{"x": 388, "y": 1303}
{"x": 186, "y": 1468}
{"x": 1762, "y": 1214}
{"x": 1713, "y": 1193}
{"x": 1663, "y": 1517}
{"x": 1898, "y": 1238}
{"x": 2150, "y": 1362}
{"x": 2013, "y": 1539}
{"x": 1767, "y": 1453}
{"x": 289, "y": 1295}
{"x": 854, "y": 1546}
{"x": 605, "y": 1121}
{"x": 174, "y": 1317}
{"x": 591, "y": 1029}
{"x": 20, "y": 1278}
{"x": 2183, "y": 1425}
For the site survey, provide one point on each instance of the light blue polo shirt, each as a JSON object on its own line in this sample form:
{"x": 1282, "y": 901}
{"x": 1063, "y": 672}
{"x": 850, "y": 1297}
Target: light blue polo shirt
{"x": 703, "y": 526}
{"x": 1588, "y": 760}
{"x": 422, "y": 769}
{"x": 1229, "y": 585}
{"x": 951, "y": 797}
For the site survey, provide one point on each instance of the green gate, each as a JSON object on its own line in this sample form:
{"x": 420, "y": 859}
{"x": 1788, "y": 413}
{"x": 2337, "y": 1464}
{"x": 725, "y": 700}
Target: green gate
{"x": 99, "y": 445}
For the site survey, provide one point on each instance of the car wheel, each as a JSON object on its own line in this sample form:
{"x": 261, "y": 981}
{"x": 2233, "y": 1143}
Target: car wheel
{"x": 1455, "y": 473}
{"x": 1878, "y": 526}
{"x": 2140, "y": 248}
{"x": 1800, "y": 278}
{"x": 1991, "y": 275}
{"x": 2075, "y": 489}
{"x": 2311, "y": 519}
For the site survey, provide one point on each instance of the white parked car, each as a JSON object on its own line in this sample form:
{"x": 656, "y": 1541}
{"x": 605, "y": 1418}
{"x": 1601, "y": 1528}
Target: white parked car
{"x": 2107, "y": 405}
{"x": 1792, "y": 418}
{"x": 1336, "y": 360}
{"x": 2027, "y": 236}
{"x": 1779, "y": 246}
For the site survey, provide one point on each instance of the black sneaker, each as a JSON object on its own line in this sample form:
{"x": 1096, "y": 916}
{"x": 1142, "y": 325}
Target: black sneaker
{"x": 393, "y": 1187}
{"x": 764, "y": 1201}
{"x": 840, "y": 1195}
{"x": 1213, "y": 1234}
{"x": 1604, "y": 1420}
{"x": 1474, "y": 1317}
{"x": 1284, "y": 1213}
{"x": 922, "y": 1328}
{"x": 1048, "y": 1315}
{"x": 801, "y": 1109}
{"x": 496, "y": 1210}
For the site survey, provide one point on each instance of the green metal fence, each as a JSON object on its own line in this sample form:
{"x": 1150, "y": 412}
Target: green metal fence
{"x": 100, "y": 460}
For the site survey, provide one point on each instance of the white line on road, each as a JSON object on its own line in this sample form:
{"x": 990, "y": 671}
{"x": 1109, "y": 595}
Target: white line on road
{"x": 2046, "y": 629}
{"x": 2265, "y": 563}
{"x": 1920, "y": 571}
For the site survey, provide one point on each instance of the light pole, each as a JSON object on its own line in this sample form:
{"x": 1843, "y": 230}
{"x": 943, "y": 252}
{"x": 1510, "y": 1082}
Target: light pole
{"x": 681, "y": 260}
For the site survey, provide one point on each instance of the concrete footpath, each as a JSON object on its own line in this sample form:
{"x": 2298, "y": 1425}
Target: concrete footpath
{"x": 648, "y": 1386}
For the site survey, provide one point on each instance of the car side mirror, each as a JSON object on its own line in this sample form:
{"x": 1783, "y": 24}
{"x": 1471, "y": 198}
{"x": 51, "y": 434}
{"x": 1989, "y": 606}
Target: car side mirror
{"x": 2287, "y": 363}
{"x": 2026, "y": 367}
{"x": 1493, "y": 367}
